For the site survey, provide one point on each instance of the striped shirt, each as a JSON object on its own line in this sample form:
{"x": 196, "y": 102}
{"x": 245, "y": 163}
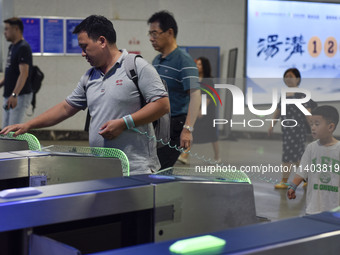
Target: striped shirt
{"x": 180, "y": 73}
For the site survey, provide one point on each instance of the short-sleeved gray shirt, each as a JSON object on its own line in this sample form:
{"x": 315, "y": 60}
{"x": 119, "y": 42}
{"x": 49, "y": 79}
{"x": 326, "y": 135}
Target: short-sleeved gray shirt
{"x": 114, "y": 95}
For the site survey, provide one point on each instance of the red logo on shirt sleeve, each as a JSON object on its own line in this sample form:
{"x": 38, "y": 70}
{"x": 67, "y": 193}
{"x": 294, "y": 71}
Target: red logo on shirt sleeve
{"x": 119, "y": 82}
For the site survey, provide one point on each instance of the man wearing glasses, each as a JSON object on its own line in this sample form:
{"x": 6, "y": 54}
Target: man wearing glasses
{"x": 178, "y": 69}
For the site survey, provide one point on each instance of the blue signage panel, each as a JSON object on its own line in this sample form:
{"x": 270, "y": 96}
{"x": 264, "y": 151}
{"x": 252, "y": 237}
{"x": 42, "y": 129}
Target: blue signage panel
{"x": 72, "y": 46}
{"x": 32, "y": 33}
{"x": 53, "y": 36}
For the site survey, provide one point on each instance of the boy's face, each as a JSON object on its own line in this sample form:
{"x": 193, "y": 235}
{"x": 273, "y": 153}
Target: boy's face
{"x": 320, "y": 127}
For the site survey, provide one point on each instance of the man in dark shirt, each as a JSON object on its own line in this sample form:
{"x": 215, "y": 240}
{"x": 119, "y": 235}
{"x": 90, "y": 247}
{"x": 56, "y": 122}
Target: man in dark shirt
{"x": 179, "y": 70}
{"x": 17, "y": 82}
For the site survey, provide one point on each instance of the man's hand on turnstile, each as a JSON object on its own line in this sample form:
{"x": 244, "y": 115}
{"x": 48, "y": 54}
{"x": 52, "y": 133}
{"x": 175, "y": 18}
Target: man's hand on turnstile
{"x": 17, "y": 128}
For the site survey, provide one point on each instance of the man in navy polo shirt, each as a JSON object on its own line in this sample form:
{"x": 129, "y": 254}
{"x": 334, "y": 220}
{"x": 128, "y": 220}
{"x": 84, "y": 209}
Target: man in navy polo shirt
{"x": 178, "y": 69}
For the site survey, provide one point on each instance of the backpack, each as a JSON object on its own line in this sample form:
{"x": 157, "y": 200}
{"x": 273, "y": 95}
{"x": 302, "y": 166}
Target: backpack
{"x": 162, "y": 125}
{"x": 37, "y": 77}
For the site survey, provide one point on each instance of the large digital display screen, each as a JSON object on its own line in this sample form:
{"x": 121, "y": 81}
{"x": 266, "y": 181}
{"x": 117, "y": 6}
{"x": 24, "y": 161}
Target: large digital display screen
{"x": 300, "y": 34}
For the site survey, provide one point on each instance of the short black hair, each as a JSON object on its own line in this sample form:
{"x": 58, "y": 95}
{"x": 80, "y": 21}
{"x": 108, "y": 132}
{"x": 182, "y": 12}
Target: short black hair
{"x": 329, "y": 113}
{"x": 166, "y": 21}
{"x": 96, "y": 26}
{"x": 15, "y": 22}
{"x": 296, "y": 73}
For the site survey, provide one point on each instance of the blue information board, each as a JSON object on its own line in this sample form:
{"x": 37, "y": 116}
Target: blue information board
{"x": 72, "y": 46}
{"x": 32, "y": 33}
{"x": 53, "y": 36}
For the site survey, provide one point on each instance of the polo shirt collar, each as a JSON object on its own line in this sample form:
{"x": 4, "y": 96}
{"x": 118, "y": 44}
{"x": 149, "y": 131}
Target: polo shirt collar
{"x": 117, "y": 64}
{"x": 171, "y": 55}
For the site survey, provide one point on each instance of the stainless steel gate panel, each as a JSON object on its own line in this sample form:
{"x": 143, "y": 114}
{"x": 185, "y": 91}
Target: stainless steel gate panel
{"x": 57, "y": 167}
{"x": 12, "y": 145}
{"x": 63, "y": 169}
{"x": 190, "y": 208}
{"x": 13, "y": 166}
{"x": 75, "y": 201}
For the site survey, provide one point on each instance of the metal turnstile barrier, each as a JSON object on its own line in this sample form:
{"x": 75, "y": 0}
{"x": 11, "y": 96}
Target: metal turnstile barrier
{"x": 60, "y": 164}
{"x": 93, "y": 152}
{"x": 21, "y": 142}
{"x": 93, "y": 216}
{"x": 312, "y": 235}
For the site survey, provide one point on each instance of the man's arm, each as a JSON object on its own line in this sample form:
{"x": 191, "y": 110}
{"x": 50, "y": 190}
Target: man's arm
{"x": 24, "y": 71}
{"x": 193, "y": 110}
{"x": 149, "y": 113}
{"x": 51, "y": 117}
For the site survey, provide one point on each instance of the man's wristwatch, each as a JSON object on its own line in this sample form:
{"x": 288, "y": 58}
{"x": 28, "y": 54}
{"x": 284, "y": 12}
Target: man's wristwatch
{"x": 191, "y": 129}
{"x": 14, "y": 95}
